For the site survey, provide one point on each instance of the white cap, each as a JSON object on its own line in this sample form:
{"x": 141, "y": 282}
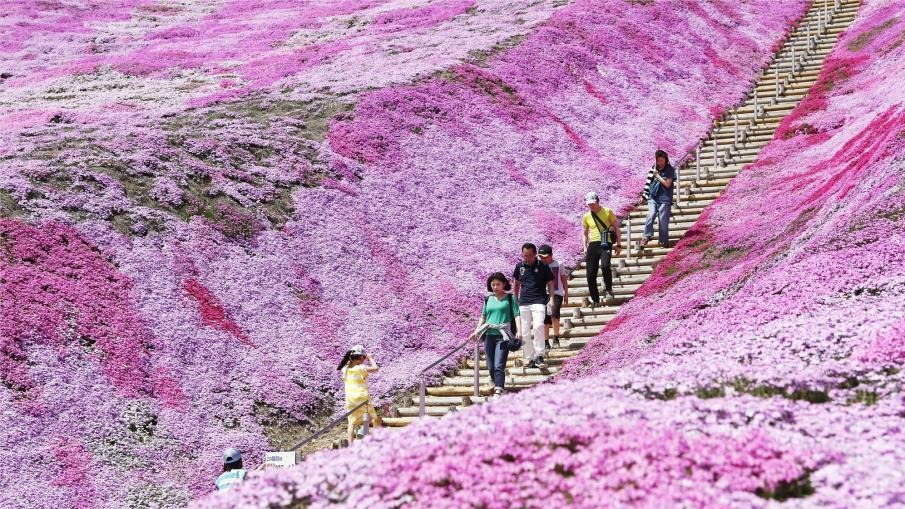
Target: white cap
{"x": 357, "y": 350}
{"x": 591, "y": 197}
{"x": 231, "y": 455}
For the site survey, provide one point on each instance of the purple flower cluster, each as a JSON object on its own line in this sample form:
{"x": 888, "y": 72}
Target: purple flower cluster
{"x": 210, "y": 202}
{"x": 569, "y": 445}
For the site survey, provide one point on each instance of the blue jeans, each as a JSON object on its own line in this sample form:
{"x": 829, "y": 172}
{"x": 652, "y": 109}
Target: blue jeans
{"x": 662, "y": 211}
{"x": 496, "y": 359}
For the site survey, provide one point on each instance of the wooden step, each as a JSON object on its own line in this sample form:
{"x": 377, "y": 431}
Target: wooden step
{"x": 398, "y": 422}
{"x": 468, "y": 381}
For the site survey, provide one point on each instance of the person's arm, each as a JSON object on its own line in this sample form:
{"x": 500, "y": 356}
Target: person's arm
{"x": 565, "y": 285}
{"x": 474, "y": 333}
{"x": 515, "y": 317}
{"x": 664, "y": 181}
{"x": 584, "y": 236}
{"x": 516, "y": 287}
{"x": 483, "y": 319}
{"x": 372, "y": 367}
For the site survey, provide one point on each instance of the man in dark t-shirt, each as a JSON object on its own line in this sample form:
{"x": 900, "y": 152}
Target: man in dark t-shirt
{"x": 532, "y": 284}
{"x": 660, "y": 201}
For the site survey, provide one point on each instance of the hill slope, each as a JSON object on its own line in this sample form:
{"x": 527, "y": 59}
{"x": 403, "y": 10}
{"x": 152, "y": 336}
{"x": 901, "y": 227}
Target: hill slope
{"x": 204, "y": 205}
{"x": 762, "y": 362}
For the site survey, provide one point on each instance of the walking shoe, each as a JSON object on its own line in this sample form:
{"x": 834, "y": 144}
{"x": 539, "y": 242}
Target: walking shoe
{"x": 546, "y": 344}
{"x": 531, "y": 364}
{"x": 518, "y": 363}
{"x": 594, "y": 304}
{"x": 497, "y": 392}
{"x": 644, "y": 241}
{"x": 556, "y": 343}
{"x": 609, "y": 295}
{"x": 539, "y": 362}
{"x": 586, "y": 302}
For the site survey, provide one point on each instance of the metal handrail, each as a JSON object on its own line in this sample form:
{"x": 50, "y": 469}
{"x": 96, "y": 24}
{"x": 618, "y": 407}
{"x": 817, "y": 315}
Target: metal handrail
{"x": 441, "y": 359}
{"x": 334, "y": 423}
{"x": 422, "y": 383}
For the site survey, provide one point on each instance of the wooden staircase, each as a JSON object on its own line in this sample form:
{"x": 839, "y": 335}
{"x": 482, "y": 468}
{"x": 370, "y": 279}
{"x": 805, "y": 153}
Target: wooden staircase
{"x": 734, "y": 141}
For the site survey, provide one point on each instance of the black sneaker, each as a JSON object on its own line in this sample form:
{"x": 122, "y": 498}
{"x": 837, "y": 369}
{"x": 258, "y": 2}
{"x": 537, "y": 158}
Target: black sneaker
{"x": 556, "y": 343}
{"x": 539, "y": 362}
{"x": 531, "y": 364}
{"x": 547, "y": 344}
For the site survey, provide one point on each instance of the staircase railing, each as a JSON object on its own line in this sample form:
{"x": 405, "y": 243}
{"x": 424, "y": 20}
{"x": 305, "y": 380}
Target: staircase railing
{"x": 334, "y": 422}
{"x": 476, "y": 384}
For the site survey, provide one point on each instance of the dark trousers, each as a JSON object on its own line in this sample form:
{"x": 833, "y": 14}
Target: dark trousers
{"x": 496, "y": 359}
{"x": 599, "y": 258}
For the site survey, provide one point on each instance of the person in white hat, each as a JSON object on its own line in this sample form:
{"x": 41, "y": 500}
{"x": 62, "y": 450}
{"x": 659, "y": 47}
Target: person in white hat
{"x": 600, "y": 234}
{"x": 233, "y": 472}
{"x": 355, "y": 376}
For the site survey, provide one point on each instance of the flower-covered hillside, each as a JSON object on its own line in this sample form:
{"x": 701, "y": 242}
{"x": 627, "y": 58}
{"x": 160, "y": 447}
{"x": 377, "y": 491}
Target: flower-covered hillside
{"x": 761, "y": 363}
{"x": 204, "y": 205}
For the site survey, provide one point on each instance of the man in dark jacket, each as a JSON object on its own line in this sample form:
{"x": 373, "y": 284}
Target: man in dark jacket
{"x": 660, "y": 202}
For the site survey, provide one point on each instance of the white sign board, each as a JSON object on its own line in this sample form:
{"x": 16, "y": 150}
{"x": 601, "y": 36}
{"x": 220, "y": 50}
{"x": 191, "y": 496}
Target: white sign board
{"x": 279, "y": 459}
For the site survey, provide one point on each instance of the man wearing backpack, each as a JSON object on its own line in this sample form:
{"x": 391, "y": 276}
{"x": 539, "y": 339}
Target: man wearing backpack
{"x": 659, "y": 201}
{"x": 600, "y": 230}
{"x": 533, "y": 285}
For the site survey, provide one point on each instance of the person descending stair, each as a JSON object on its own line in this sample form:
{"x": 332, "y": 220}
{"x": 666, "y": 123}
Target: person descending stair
{"x": 600, "y": 231}
{"x": 499, "y": 322}
{"x": 355, "y": 375}
{"x": 659, "y": 201}
{"x": 560, "y": 293}
{"x": 533, "y": 285}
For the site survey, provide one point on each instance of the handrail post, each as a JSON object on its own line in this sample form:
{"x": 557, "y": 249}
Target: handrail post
{"x": 628, "y": 249}
{"x": 422, "y": 390}
{"x": 735, "y": 117}
{"x": 755, "y": 104}
{"x": 715, "y": 150}
{"x": 697, "y": 162}
{"x": 794, "y": 62}
{"x": 477, "y": 370}
{"x": 776, "y": 78}
{"x": 678, "y": 189}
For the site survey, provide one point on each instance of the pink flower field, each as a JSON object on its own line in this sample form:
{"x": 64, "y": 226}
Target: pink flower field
{"x": 203, "y": 205}
{"x": 760, "y": 366}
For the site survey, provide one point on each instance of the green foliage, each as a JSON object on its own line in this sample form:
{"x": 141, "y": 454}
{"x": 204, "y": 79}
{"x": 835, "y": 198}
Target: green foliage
{"x": 785, "y": 490}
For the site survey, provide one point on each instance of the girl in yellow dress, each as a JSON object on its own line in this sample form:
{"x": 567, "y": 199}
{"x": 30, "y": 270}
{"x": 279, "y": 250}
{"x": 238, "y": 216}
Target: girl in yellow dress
{"x": 355, "y": 375}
